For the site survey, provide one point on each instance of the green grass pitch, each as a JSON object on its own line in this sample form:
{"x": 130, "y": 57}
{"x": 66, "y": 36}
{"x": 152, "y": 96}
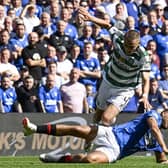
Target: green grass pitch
{"x": 33, "y": 162}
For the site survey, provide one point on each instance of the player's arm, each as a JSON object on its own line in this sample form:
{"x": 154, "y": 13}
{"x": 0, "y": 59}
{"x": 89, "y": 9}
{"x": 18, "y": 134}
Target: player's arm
{"x": 145, "y": 90}
{"x": 157, "y": 133}
{"x": 60, "y": 107}
{"x": 86, "y": 16}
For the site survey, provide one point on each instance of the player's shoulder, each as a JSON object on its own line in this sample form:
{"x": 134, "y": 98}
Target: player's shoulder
{"x": 154, "y": 114}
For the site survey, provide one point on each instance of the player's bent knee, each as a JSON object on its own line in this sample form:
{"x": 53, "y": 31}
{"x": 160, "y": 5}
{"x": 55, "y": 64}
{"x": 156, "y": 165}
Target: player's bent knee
{"x": 96, "y": 158}
{"x": 105, "y": 120}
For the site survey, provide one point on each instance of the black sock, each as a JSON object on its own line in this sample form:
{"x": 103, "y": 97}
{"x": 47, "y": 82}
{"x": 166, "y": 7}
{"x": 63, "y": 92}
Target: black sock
{"x": 47, "y": 129}
{"x": 65, "y": 159}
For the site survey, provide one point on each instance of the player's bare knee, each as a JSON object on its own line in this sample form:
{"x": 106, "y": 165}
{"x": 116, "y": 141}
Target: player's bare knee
{"x": 105, "y": 120}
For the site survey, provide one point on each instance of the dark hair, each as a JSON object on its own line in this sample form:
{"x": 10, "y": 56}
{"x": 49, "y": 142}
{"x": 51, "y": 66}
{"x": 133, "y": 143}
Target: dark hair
{"x": 51, "y": 62}
{"x": 153, "y": 80}
{"x": 28, "y": 77}
{"x": 101, "y": 49}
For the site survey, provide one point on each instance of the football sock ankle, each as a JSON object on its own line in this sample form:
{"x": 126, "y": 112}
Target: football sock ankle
{"x": 65, "y": 159}
{"x": 47, "y": 129}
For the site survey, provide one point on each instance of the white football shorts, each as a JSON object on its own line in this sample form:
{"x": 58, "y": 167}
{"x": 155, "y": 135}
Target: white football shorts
{"x": 106, "y": 142}
{"x": 108, "y": 94}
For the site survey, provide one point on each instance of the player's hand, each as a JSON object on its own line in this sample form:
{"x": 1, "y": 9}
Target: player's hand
{"x": 146, "y": 103}
{"x": 165, "y": 150}
{"x": 164, "y": 162}
{"x": 84, "y": 14}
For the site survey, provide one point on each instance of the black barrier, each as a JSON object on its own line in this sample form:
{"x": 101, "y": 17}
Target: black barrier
{"x": 13, "y": 142}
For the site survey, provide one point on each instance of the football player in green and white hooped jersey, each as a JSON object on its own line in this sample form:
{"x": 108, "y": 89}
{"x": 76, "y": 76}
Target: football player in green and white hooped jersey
{"x": 127, "y": 69}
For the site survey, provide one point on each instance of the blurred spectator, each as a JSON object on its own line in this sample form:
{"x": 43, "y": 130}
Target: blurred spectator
{"x": 89, "y": 67}
{"x": 91, "y": 96}
{"x": 46, "y": 25}
{"x": 70, "y": 7}
{"x": 163, "y": 84}
{"x": 27, "y": 96}
{"x": 159, "y": 11}
{"x": 85, "y": 4}
{"x": 5, "y": 40}
{"x": 52, "y": 69}
{"x": 54, "y": 12}
{"x": 51, "y": 56}
{"x": 17, "y": 5}
{"x": 104, "y": 31}
{"x": 64, "y": 66}
{"x": 162, "y": 43}
{"x": 132, "y": 10}
{"x": 11, "y": 13}
{"x": 143, "y": 18}
{"x": 73, "y": 94}
{"x": 110, "y": 8}
{"x": 59, "y": 37}
{"x": 99, "y": 11}
{"x": 153, "y": 22}
{"x": 19, "y": 41}
{"x": 74, "y": 53}
{"x": 76, "y": 4}
{"x": 119, "y": 18}
{"x": 86, "y": 37}
{"x": 145, "y": 7}
{"x": 94, "y": 5}
{"x": 70, "y": 29}
{"x": 163, "y": 2}
{"x": 8, "y": 24}
{"x": 2, "y": 17}
{"x": 155, "y": 97}
{"x": 29, "y": 17}
{"x": 155, "y": 71}
{"x": 50, "y": 96}
{"x": 103, "y": 57}
{"x": 130, "y": 23}
{"x": 144, "y": 33}
{"x": 8, "y": 95}
{"x": 96, "y": 31}
{"x": 152, "y": 46}
{"x": 24, "y": 72}
{"x": 43, "y": 41}
{"x": 38, "y": 8}
{"x": 44, "y": 4}
{"x": 16, "y": 21}
{"x": 5, "y": 4}
{"x": 6, "y": 66}
{"x": 33, "y": 57}
{"x": 102, "y": 41}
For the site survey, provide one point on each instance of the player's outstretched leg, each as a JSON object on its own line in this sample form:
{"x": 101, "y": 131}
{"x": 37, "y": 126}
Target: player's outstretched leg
{"x": 86, "y": 132}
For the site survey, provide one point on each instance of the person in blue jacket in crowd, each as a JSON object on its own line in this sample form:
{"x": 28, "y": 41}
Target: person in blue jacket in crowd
{"x": 8, "y": 95}
{"x": 50, "y": 96}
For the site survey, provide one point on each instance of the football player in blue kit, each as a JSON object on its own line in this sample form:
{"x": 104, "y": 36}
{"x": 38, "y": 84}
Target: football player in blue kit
{"x": 110, "y": 143}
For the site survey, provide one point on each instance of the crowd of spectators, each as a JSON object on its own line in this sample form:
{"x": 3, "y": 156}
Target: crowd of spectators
{"x": 51, "y": 60}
